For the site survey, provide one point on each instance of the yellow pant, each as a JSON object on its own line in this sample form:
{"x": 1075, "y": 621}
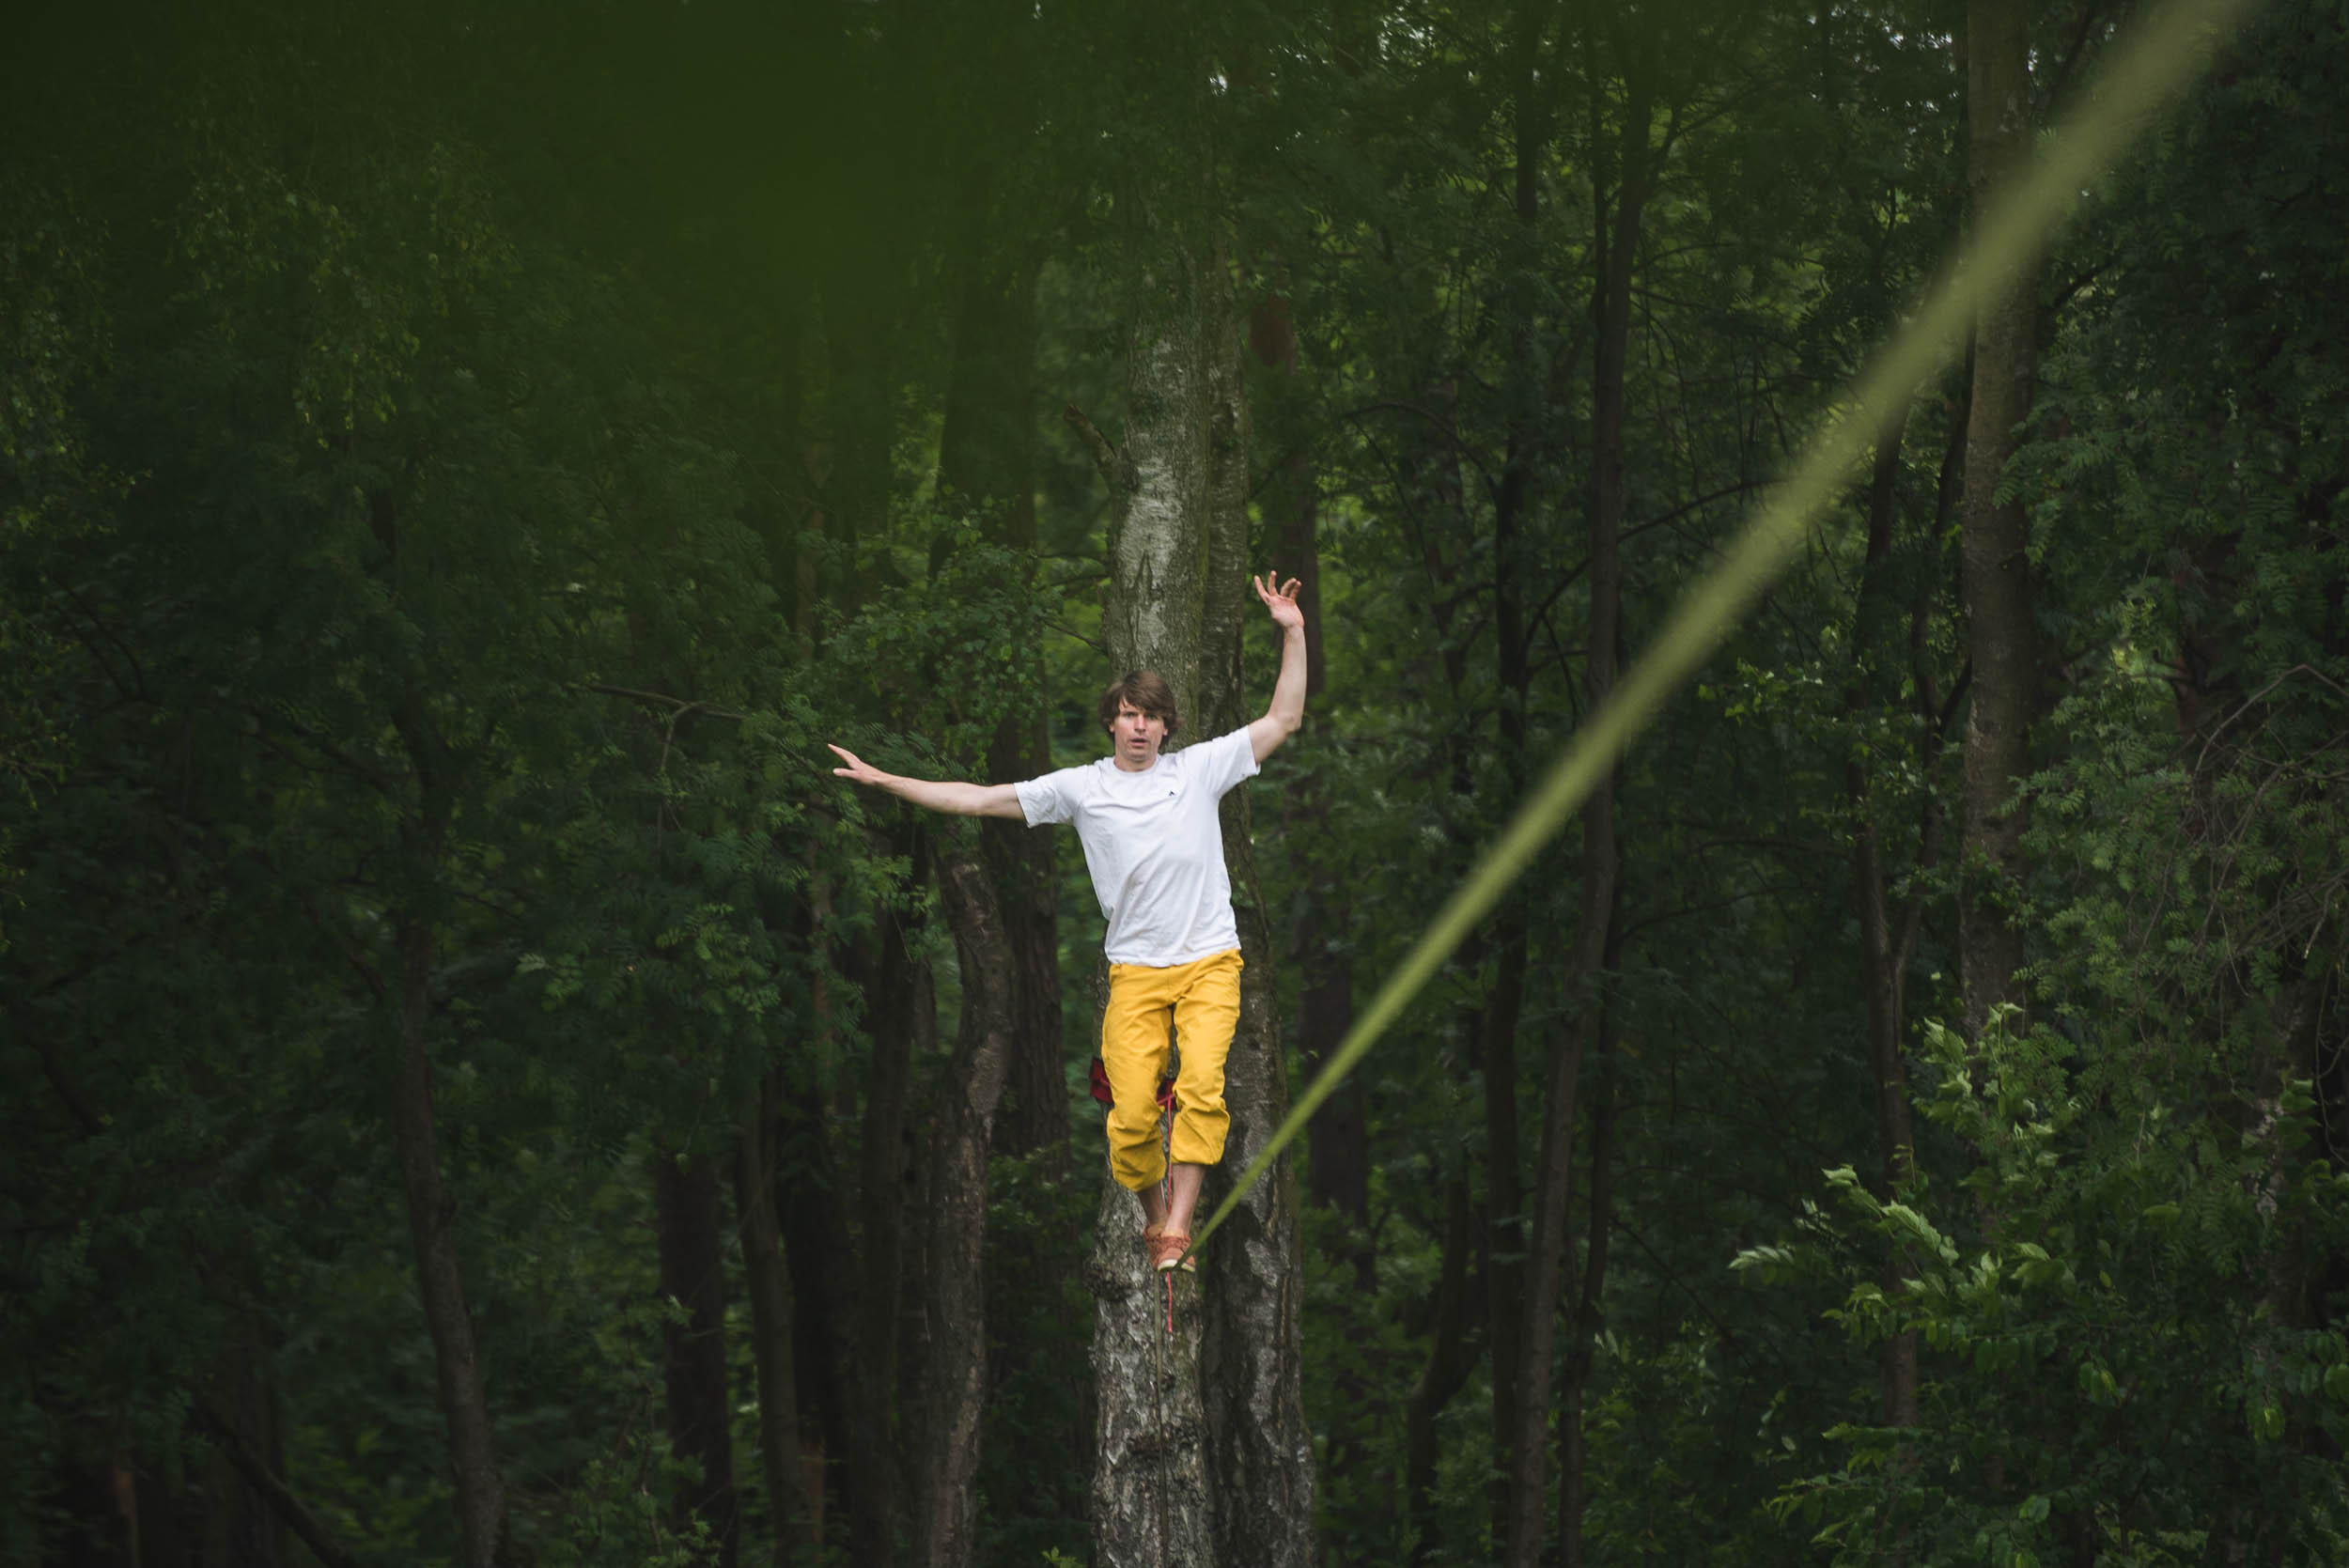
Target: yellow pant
{"x": 1201, "y": 1000}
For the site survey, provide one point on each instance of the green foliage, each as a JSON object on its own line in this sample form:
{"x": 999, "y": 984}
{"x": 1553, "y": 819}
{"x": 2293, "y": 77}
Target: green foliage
{"x": 2119, "y": 1363}
{"x": 457, "y": 470}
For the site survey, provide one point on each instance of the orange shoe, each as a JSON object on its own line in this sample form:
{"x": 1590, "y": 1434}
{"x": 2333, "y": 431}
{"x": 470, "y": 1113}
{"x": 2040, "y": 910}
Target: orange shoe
{"x": 1167, "y": 1248}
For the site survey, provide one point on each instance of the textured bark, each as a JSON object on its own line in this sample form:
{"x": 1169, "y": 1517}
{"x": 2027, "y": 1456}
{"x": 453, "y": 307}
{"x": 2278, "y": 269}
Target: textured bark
{"x": 768, "y": 1287}
{"x": 1150, "y": 1500}
{"x": 688, "y": 1220}
{"x": 954, "y": 1296}
{"x": 1150, "y": 1484}
{"x": 1185, "y": 1472}
{"x": 2000, "y": 639}
{"x": 1260, "y": 1451}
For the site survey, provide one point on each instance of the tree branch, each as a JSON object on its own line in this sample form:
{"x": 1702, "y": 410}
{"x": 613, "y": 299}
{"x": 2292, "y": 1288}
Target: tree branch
{"x": 1114, "y": 464}
{"x": 677, "y": 706}
{"x": 275, "y": 1491}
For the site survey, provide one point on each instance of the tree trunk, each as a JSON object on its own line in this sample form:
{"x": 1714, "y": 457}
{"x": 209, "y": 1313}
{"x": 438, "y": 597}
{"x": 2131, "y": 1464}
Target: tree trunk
{"x": 431, "y": 1223}
{"x": 690, "y": 1219}
{"x": 829, "y": 1348}
{"x": 1186, "y": 1473}
{"x": 2000, "y": 639}
{"x": 769, "y": 1291}
{"x": 894, "y": 1015}
{"x": 1881, "y": 958}
{"x": 1504, "y": 1006}
{"x": 1618, "y": 255}
{"x": 1448, "y": 1363}
{"x": 1150, "y": 1482}
{"x": 954, "y": 1227}
{"x": 986, "y": 461}
{"x": 1337, "y": 1171}
{"x": 1260, "y": 1451}
{"x": 1587, "y": 1318}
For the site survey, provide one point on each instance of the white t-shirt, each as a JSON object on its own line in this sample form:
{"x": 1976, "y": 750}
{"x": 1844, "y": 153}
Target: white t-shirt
{"x": 1153, "y": 845}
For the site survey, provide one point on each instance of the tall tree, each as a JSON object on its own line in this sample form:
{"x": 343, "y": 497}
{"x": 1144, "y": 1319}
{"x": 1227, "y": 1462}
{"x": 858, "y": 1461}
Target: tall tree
{"x": 2000, "y": 639}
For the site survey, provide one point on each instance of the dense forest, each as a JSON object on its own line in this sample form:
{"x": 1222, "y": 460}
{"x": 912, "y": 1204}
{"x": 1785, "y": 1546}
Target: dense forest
{"x": 475, "y": 1088}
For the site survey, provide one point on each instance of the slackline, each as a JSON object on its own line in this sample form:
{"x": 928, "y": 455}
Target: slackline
{"x": 2151, "y": 66}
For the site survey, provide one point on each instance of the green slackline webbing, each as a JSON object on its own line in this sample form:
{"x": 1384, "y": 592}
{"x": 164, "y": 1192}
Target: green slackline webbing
{"x": 2151, "y": 66}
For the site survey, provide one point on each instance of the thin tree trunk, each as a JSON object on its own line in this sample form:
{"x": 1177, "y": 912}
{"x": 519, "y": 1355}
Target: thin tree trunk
{"x": 1448, "y": 1363}
{"x": 895, "y": 1014}
{"x": 830, "y": 1344}
{"x": 431, "y": 1216}
{"x": 769, "y": 1292}
{"x": 2000, "y": 639}
{"x": 986, "y": 461}
{"x": 1589, "y": 1313}
{"x": 953, "y": 1226}
{"x": 1880, "y": 958}
{"x": 1617, "y": 260}
{"x": 246, "y": 1525}
{"x": 690, "y": 1219}
{"x": 1504, "y": 1005}
{"x": 439, "y": 1281}
{"x": 1259, "y": 1448}
{"x": 1337, "y": 1171}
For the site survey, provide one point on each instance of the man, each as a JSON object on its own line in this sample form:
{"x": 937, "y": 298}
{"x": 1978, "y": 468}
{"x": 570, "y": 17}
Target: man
{"x": 1155, "y": 848}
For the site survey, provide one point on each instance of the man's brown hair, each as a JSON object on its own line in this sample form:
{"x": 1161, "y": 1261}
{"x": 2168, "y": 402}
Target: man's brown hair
{"x": 1148, "y": 690}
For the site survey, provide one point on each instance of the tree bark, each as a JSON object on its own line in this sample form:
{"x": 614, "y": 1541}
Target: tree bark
{"x": 1150, "y": 1483}
{"x": 1186, "y": 1473}
{"x": 953, "y": 1226}
{"x": 690, "y": 1217}
{"x": 1260, "y": 1450}
{"x": 2000, "y": 639}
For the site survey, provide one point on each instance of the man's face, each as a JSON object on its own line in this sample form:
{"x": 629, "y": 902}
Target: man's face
{"x": 1135, "y": 738}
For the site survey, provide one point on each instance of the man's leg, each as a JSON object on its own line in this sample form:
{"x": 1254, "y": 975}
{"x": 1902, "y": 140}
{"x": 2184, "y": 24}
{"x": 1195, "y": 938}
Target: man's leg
{"x": 1134, "y": 1055}
{"x": 1207, "y": 1014}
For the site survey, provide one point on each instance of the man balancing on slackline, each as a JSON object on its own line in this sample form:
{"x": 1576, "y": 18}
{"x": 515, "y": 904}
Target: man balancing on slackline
{"x": 1155, "y": 848}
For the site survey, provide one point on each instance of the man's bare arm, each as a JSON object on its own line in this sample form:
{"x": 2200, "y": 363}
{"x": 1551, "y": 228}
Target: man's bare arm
{"x": 956, "y": 798}
{"x": 1287, "y": 710}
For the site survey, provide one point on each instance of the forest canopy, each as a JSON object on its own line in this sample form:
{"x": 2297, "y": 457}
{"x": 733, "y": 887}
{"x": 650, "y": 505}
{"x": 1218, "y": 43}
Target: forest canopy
{"x": 476, "y": 1088}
